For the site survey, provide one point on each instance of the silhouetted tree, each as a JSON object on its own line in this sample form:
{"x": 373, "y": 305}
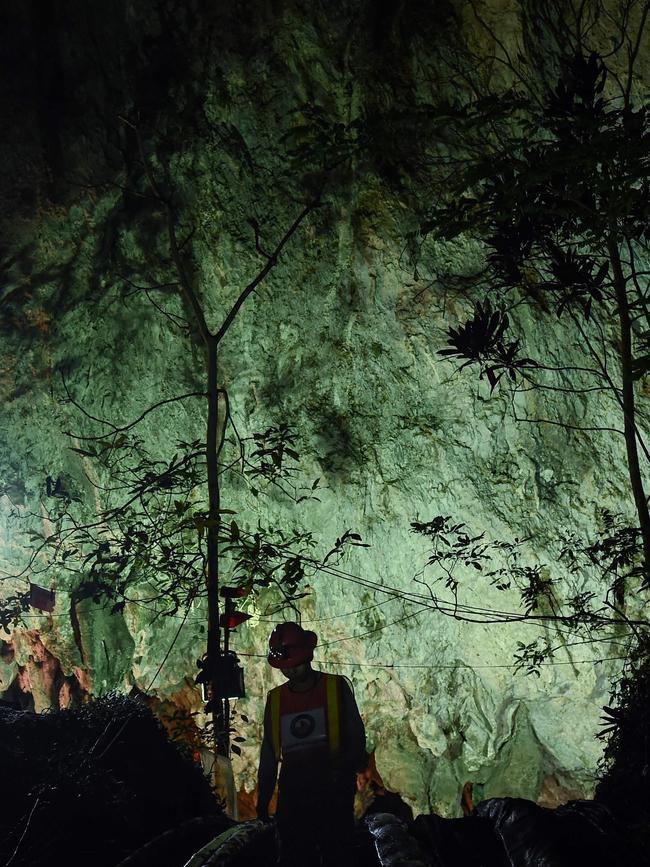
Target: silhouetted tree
{"x": 546, "y": 165}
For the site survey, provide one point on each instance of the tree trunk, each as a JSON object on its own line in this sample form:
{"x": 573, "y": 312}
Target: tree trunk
{"x": 212, "y": 575}
{"x": 629, "y": 409}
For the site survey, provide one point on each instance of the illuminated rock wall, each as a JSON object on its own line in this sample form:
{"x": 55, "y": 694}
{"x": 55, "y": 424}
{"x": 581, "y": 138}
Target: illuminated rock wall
{"x": 341, "y": 342}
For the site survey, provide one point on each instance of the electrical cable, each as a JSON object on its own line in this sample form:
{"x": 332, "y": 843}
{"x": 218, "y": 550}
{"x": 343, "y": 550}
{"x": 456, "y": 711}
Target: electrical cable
{"x": 153, "y": 680}
{"x": 446, "y": 666}
{"x": 415, "y": 614}
{"x": 430, "y": 608}
{"x": 474, "y": 667}
{"x": 171, "y": 646}
{"x": 373, "y": 631}
{"x": 331, "y": 617}
{"x": 443, "y": 606}
{"x": 403, "y": 598}
{"x": 394, "y": 595}
{"x": 313, "y": 620}
{"x": 459, "y": 611}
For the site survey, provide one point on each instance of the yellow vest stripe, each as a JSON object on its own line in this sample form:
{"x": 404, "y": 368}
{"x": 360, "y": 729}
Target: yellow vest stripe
{"x": 275, "y": 721}
{"x": 333, "y": 713}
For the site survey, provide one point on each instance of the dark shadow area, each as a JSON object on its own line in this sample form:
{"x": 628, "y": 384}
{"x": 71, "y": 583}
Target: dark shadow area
{"x": 92, "y": 785}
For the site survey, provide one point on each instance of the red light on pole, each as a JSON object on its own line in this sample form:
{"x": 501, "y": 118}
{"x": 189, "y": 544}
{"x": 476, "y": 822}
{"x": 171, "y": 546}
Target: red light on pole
{"x": 232, "y": 619}
{"x": 234, "y": 592}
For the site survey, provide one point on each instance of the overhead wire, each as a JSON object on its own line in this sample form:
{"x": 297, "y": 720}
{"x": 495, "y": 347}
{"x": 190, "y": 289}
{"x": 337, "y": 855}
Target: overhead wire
{"x": 451, "y": 608}
{"x": 467, "y": 665}
{"x": 446, "y": 666}
{"x": 404, "y": 665}
{"x": 171, "y": 646}
{"x": 459, "y": 611}
{"x": 448, "y": 608}
{"x": 332, "y": 616}
{"x": 373, "y": 631}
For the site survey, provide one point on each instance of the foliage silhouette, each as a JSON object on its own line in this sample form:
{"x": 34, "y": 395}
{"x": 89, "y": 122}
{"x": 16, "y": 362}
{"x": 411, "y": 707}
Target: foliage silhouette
{"x": 555, "y": 186}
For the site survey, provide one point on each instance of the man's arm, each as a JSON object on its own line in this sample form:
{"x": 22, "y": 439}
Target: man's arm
{"x": 268, "y": 769}
{"x": 352, "y": 730}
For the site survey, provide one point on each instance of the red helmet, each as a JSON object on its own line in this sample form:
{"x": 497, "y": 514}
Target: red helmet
{"x": 290, "y": 645}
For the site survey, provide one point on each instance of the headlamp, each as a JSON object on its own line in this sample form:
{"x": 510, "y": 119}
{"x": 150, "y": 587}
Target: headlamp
{"x": 282, "y": 652}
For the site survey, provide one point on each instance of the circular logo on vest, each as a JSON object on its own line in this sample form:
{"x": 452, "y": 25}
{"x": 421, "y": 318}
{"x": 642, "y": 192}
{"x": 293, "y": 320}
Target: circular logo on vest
{"x": 302, "y": 726}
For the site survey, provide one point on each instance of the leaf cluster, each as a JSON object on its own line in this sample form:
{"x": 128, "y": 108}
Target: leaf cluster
{"x": 625, "y": 725}
{"x": 456, "y": 553}
{"x": 616, "y": 552}
{"x": 530, "y": 657}
{"x": 480, "y": 340}
{"x": 148, "y": 545}
{"x": 272, "y": 448}
{"x": 547, "y": 200}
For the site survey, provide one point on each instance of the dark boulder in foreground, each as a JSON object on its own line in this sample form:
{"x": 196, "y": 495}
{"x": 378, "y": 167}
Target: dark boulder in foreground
{"x": 513, "y": 832}
{"x": 94, "y": 784}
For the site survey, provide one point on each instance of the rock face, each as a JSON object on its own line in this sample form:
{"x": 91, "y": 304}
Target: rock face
{"x": 340, "y": 342}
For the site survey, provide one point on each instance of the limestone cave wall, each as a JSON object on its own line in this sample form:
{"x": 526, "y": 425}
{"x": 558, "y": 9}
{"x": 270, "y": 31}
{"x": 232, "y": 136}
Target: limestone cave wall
{"x": 340, "y": 342}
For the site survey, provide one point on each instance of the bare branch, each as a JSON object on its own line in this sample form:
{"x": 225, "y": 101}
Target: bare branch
{"x": 121, "y": 429}
{"x": 271, "y": 262}
{"x": 634, "y": 51}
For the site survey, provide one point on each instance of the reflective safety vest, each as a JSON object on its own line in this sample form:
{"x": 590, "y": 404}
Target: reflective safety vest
{"x": 308, "y": 720}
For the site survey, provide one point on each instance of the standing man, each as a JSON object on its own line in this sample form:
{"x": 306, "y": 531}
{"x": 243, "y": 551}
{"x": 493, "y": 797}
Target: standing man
{"x": 313, "y": 728}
